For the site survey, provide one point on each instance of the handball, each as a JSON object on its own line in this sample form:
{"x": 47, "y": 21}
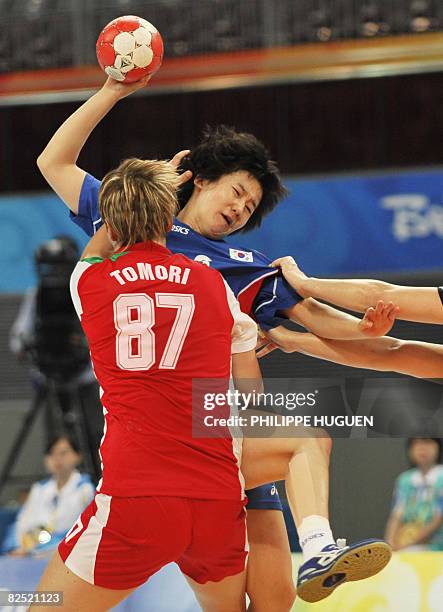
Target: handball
{"x": 129, "y": 48}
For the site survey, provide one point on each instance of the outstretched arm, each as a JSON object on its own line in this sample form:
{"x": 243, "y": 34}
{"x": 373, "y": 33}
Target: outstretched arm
{"x": 421, "y": 304}
{"x": 58, "y": 161}
{"x": 328, "y": 322}
{"x": 419, "y": 359}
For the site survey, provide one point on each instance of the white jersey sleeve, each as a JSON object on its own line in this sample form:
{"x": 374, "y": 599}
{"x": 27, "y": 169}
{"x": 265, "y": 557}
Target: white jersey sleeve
{"x": 75, "y": 277}
{"x": 244, "y": 330}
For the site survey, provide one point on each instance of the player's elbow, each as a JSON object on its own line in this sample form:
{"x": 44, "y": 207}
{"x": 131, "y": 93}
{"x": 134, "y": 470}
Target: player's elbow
{"x": 51, "y": 169}
{"x": 386, "y": 358}
{"x": 43, "y": 163}
{"x": 46, "y": 163}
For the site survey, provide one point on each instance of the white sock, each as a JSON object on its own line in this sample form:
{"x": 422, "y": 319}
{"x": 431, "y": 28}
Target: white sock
{"x": 314, "y": 534}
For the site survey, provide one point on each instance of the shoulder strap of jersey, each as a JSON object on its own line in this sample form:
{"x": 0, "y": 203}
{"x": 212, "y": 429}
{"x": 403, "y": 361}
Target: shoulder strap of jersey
{"x": 92, "y": 260}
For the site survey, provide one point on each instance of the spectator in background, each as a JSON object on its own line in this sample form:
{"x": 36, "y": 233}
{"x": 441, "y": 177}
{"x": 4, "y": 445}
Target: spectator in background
{"x": 54, "y": 504}
{"x": 416, "y": 520}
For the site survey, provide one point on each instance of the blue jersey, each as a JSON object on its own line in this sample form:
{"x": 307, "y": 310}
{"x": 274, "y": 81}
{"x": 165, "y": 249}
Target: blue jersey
{"x": 261, "y": 291}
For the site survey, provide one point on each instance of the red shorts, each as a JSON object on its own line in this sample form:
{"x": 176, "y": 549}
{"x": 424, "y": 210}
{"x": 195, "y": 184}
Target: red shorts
{"x": 119, "y": 542}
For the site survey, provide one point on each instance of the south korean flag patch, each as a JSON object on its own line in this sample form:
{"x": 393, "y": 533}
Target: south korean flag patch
{"x": 241, "y": 255}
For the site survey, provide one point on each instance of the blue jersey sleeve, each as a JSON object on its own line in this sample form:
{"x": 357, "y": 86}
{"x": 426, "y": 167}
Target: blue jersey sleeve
{"x": 88, "y": 216}
{"x": 274, "y": 295}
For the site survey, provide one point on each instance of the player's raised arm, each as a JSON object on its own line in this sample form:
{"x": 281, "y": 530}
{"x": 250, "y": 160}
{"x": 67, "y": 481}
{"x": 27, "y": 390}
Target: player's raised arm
{"x": 420, "y": 304}
{"x": 58, "y": 161}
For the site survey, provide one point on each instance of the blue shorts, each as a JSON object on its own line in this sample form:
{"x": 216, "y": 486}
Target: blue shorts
{"x": 264, "y": 497}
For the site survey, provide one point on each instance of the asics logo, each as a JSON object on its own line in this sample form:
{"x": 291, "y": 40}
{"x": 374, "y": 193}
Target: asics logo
{"x": 327, "y": 559}
{"x": 313, "y": 536}
{"x": 324, "y": 559}
{"x": 180, "y": 229}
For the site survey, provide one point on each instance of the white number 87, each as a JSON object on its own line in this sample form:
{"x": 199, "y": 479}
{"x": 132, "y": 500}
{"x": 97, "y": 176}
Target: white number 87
{"x": 134, "y": 318}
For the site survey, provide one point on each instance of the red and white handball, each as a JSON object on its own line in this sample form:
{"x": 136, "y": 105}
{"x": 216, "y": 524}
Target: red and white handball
{"x": 129, "y": 48}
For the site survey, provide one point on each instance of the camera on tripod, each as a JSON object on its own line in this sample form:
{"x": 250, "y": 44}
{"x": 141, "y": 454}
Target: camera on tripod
{"x": 58, "y": 347}
{"x": 49, "y": 333}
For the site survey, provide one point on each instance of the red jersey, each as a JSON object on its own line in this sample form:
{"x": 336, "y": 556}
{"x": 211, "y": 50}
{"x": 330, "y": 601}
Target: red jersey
{"x": 154, "y": 322}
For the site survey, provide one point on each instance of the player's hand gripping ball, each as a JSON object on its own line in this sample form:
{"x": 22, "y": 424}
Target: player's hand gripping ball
{"x": 129, "y": 48}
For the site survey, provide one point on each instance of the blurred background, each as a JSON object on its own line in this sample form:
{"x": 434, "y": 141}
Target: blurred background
{"x": 346, "y": 94}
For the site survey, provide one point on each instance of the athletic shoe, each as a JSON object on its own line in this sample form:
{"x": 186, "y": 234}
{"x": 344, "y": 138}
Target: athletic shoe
{"x": 337, "y": 563}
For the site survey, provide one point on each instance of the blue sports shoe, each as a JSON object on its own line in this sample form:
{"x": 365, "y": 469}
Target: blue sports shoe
{"x": 337, "y": 564}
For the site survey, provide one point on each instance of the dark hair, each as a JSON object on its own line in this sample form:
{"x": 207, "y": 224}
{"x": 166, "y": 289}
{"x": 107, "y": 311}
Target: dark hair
{"x": 436, "y": 440}
{"x": 72, "y": 443}
{"x": 222, "y": 150}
